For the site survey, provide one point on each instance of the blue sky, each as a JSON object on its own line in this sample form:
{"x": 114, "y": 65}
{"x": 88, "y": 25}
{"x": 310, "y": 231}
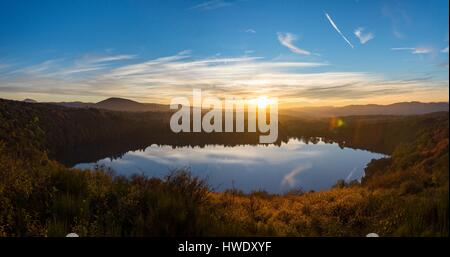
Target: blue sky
{"x": 304, "y": 52}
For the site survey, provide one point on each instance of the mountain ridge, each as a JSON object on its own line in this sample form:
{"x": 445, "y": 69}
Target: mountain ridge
{"x": 400, "y": 108}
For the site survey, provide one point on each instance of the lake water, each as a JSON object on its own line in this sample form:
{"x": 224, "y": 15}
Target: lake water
{"x": 275, "y": 169}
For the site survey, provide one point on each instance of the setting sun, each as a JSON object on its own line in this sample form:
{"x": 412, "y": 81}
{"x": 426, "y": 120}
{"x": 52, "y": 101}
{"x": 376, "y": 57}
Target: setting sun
{"x": 263, "y": 102}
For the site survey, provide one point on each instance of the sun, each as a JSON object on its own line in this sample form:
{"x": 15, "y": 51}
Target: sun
{"x": 263, "y": 102}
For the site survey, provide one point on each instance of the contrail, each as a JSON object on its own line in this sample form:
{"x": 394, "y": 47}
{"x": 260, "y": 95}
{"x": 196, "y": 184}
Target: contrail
{"x": 338, "y": 30}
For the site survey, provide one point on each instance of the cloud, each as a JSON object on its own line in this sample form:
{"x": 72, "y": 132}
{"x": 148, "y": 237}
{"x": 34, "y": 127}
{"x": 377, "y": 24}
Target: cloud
{"x": 290, "y": 178}
{"x": 363, "y": 38}
{"x": 445, "y": 50}
{"x": 83, "y": 66}
{"x": 110, "y": 58}
{"x": 287, "y": 39}
{"x": 251, "y": 31}
{"x": 4, "y": 66}
{"x": 160, "y": 79}
{"x": 397, "y": 16}
{"x": 397, "y": 33}
{"x": 422, "y": 50}
{"x": 40, "y": 68}
{"x": 211, "y": 5}
{"x": 338, "y": 30}
{"x": 414, "y": 50}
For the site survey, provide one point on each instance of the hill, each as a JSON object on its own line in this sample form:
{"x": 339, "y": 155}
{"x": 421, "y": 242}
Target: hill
{"x": 28, "y": 100}
{"x": 117, "y": 104}
{"x": 121, "y": 104}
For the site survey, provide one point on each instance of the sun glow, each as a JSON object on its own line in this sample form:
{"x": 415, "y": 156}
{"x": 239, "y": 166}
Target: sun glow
{"x": 263, "y": 102}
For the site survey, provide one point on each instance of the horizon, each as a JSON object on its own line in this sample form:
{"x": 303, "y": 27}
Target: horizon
{"x": 307, "y": 54}
{"x": 281, "y": 107}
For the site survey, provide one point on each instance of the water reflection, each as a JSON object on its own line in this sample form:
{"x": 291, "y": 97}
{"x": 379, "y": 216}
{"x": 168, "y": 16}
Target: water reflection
{"x": 273, "y": 168}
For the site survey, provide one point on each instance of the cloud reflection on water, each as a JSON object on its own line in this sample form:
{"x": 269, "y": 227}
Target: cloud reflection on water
{"x": 276, "y": 169}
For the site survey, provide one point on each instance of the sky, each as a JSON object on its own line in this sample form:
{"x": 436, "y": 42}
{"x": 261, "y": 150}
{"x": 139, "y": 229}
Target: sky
{"x": 306, "y": 53}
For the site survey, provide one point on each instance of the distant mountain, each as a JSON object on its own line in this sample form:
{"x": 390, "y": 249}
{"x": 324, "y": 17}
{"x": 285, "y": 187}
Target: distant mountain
{"x": 118, "y": 104}
{"x": 405, "y": 108}
{"x": 121, "y": 104}
{"x": 28, "y": 100}
{"x": 76, "y": 104}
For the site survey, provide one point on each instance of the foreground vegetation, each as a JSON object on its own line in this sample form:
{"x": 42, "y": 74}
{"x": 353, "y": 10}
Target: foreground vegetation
{"x": 403, "y": 195}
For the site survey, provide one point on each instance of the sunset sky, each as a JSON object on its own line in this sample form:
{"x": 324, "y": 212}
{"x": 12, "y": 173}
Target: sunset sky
{"x": 306, "y": 53}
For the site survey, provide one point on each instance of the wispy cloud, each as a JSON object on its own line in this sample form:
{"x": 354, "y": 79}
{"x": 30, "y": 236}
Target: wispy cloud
{"x": 160, "y": 79}
{"x": 211, "y": 5}
{"x": 363, "y": 37}
{"x": 44, "y": 67}
{"x": 4, "y": 66}
{"x": 287, "y": 39}
{"x": 397, "y": 33}
{"x": 445, "y": 50}
{"x": 397, "y": 16}
{"x": 250, "y": 31}
{"x": 338, "y": 30}
{"x": 107, "y": 58}
{"x": 78, "y": 67}
{"x": 414, "y": 50}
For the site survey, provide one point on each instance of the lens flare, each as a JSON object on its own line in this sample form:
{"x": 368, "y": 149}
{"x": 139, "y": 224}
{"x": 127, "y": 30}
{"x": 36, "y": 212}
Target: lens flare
{"x": 336, "y": 123}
